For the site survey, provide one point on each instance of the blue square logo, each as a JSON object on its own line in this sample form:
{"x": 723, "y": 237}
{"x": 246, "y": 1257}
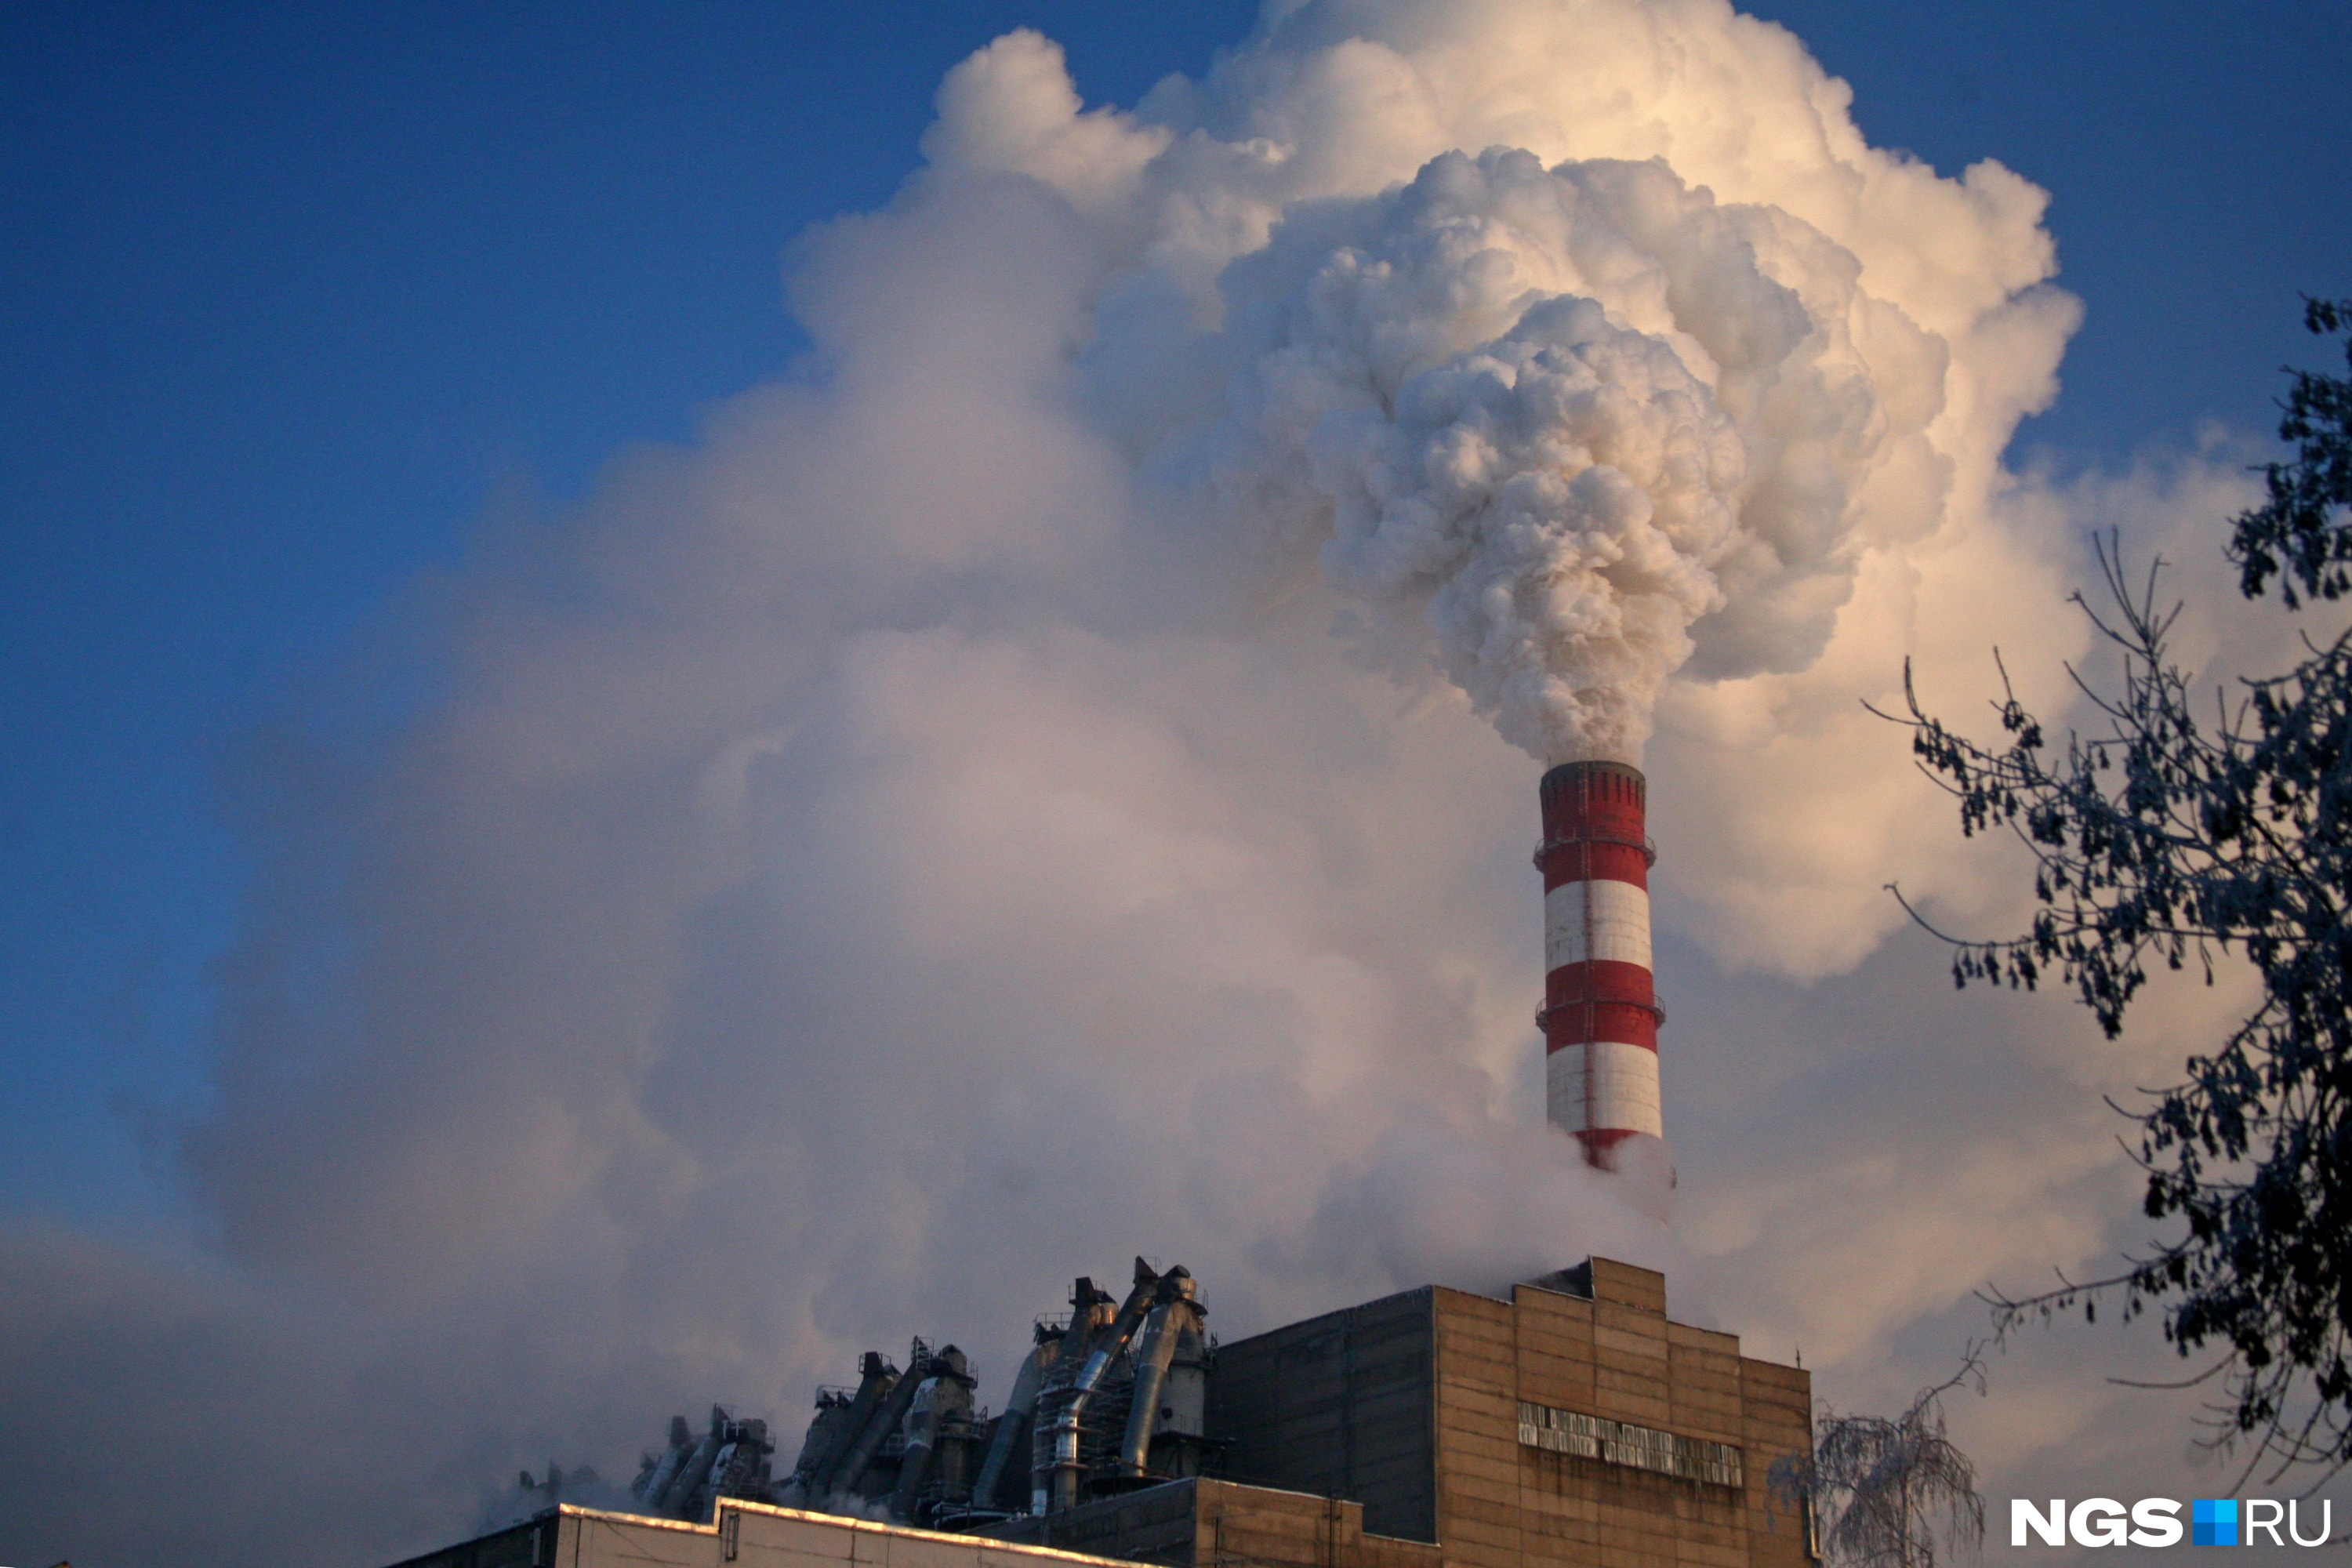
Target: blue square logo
{"x": 2213, "y": 1521}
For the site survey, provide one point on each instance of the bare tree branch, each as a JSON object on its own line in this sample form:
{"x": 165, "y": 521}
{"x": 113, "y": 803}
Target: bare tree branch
{"x": 2162, "y": 838}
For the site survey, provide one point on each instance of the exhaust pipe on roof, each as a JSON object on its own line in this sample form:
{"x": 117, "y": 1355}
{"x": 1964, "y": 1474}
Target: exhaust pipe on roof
{"x": 649, "y": 1487}
{"x": 1174, "y": 1312}
{"x": 886, "y": 1420}
{"x": 877, "y": 1379}
{"x": 1054, "y": 1484}
{"x": 945, "y": 1395}
{"x": 691, "y": 1474}
{"x": 1014, "y": 1428}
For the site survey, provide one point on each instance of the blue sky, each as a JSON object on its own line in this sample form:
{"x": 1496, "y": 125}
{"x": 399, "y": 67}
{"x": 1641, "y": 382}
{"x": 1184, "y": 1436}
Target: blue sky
{"x": 299, "y": 299}
{"x": 296, "y": 294}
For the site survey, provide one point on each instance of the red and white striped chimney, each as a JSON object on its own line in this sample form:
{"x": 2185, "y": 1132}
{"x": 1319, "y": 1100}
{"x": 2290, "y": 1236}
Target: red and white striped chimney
{"x": 1601, "y": 1010}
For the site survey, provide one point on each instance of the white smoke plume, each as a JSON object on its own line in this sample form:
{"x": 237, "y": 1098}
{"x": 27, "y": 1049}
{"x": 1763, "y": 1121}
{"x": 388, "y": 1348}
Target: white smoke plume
{"x": 1588, "y": 343}
{"x": 1578, "y": 421}
{"x": 923, "y": 841}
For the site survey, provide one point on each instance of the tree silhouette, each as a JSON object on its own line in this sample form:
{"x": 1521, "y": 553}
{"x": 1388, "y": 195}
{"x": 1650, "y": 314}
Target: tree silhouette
{"x": 1883, "y": 1493}
{"x": 2174, "y": 835}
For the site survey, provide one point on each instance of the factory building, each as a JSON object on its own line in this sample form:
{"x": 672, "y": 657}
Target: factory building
{"x": 1568, "y": 1421}
{"x": 1572, "y": 1423}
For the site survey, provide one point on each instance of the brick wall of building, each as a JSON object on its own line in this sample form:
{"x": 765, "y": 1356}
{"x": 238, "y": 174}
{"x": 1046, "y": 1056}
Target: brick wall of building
{"x": 1336, "y": 1405}
{"x": 1414, "y": 1406}
{"x": 1504, "y": 1502}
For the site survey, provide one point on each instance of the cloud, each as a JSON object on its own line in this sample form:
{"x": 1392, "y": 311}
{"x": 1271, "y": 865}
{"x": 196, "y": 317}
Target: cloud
{"x": 925, "y": 840}
{"x": 1342, "y": 274}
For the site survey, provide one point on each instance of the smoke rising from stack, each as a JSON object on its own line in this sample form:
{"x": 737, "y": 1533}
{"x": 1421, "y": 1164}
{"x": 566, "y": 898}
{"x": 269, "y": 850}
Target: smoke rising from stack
{"x": 926, "y": 832}
{"x": 1572, "y": 422}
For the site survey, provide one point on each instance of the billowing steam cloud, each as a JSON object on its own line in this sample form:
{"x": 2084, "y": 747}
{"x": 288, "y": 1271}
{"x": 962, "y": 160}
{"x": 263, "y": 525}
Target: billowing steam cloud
{"x": 1563, "y": 416}
{"x": 1588, "y": 343}
{"x": 924, "y": 840}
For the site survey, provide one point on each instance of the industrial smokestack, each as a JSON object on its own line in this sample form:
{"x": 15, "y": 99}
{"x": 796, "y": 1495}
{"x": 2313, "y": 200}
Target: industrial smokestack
{"x": 1600, "y": 1013}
